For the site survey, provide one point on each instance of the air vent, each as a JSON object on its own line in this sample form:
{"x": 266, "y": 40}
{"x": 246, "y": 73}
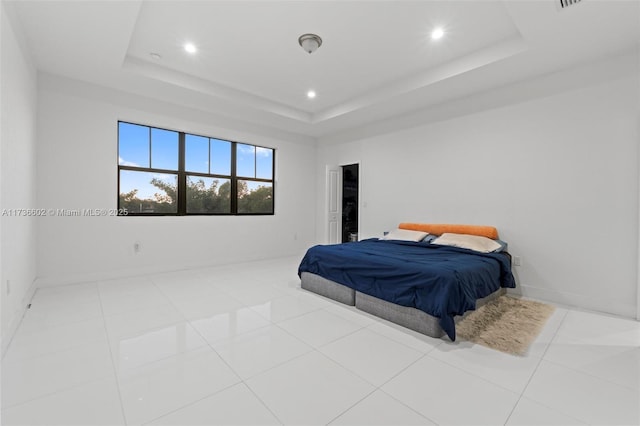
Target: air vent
{"x": 566, "y": 3}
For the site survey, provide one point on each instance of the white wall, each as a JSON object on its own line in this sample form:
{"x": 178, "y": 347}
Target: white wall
{"x": 638, "y": 115}
{"x": 77, "y": 154}
{"x": 17, "y": 176}
{"x": 557, "y": 174}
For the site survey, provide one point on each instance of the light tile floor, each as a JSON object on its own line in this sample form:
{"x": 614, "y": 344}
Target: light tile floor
{"x": 244, "y": 344}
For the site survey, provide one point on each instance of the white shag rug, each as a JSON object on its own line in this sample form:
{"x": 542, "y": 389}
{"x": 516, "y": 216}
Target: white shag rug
{"x": 505, "y": 324}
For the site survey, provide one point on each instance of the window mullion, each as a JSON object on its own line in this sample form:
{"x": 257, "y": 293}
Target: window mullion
{"x": 182, "y": 176}
{"x": 234, "y": 180}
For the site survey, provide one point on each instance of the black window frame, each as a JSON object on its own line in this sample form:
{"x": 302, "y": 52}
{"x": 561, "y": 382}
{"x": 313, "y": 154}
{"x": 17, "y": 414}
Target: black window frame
{"x": 182, "y": 175}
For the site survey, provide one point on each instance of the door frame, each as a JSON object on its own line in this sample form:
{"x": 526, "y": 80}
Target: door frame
{"x": 328, "y": 169}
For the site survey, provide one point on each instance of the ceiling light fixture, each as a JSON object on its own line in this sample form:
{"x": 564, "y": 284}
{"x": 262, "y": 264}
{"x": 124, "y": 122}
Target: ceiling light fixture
{"x": 437, "y": 33}
{"x": 310, "y": 42}
{"x": 311, "y": 94}
{"x": 190, "y": 47}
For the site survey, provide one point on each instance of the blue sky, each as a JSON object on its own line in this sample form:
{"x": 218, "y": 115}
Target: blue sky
{"x": 202, "y": 155}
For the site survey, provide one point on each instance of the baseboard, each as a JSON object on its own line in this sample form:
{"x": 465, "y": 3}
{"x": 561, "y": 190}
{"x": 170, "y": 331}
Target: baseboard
{"x": 600, "y": 304}
{"x": 16, "y": 319}
{"x": 67, "y": 279}
{"x": 87, "y": 277}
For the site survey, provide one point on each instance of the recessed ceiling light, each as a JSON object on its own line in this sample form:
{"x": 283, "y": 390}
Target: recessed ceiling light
{"x": 155, "y": 56}
{"x": 311, "y": 94}
{"x": 437, "y": 33}
{"x": 190, "y": 47}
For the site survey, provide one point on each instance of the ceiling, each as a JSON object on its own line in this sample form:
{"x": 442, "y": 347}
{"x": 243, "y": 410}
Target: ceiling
{"x": 377, "y": 59}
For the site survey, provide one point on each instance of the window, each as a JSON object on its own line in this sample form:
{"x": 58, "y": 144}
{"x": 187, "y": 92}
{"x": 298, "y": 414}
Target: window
{"x": 163, "y": 172}
{"x": 254, "y": 166}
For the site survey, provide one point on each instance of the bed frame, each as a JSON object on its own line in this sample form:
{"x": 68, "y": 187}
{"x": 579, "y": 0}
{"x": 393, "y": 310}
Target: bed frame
{"x": 408, "y": 317}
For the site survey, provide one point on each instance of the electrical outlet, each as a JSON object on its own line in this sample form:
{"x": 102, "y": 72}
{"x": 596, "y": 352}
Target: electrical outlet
{"x": 517, "y": 261}
{"x": 136, "y": 247}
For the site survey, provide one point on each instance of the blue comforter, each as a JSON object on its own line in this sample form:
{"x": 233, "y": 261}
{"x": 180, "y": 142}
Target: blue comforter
{"x": 439, "y": 280}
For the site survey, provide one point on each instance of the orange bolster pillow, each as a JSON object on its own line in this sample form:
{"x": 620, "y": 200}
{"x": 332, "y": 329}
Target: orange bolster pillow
{"x": 441, "y": 228}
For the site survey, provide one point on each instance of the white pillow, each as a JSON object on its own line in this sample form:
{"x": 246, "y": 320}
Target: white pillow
{"x": 472, "y": 242}
{"x": 405, "y": 235}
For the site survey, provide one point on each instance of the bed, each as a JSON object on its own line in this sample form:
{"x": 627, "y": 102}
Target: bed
{"x": 422, "y": 285}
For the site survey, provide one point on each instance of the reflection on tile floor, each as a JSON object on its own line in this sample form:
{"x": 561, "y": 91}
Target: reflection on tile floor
{"x": 216, "y": 346}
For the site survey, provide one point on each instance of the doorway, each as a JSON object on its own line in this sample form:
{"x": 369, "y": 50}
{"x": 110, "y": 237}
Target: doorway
{"x": 350, "y": 195}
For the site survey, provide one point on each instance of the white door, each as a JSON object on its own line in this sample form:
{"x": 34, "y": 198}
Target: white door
{"x": 334, "y": 212}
